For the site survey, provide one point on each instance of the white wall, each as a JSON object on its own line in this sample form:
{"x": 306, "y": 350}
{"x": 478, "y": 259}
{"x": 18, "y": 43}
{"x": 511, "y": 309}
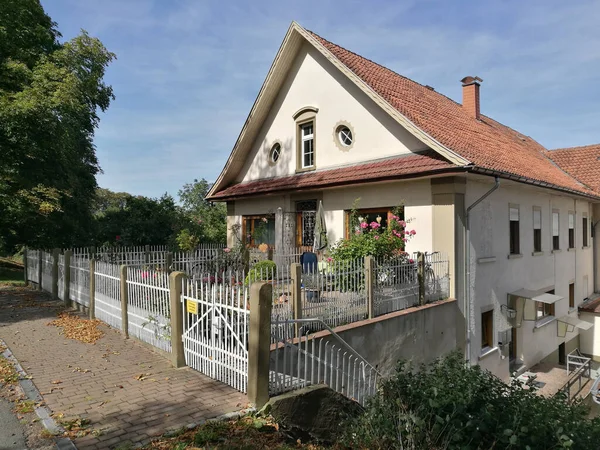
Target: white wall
{"x": 492, "y": 281}
{"x": 314, "y": 81}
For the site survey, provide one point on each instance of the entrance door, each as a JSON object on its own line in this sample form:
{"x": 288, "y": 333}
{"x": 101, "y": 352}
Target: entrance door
{"x": 562, "y": 358}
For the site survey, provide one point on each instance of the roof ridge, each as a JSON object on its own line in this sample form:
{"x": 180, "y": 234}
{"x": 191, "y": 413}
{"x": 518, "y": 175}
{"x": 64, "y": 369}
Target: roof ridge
{"x": 578, "y": 147}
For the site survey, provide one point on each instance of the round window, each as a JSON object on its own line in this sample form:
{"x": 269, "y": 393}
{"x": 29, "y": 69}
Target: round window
{"x": 345, "y": 136}
{"x": 275, "y": 153}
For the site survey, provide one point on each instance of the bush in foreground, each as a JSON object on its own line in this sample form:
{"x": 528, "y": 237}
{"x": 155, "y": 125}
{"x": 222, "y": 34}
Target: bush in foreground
{"x": 448, "y": 405}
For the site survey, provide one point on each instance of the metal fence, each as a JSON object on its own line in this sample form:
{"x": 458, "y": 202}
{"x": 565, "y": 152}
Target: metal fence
{"x": 33, "y": 266}
{"x": 79, "y": 283}
{"x": 297, "y": 362}
{"x": 148, "y": 306}
{"x": 61, "y": 276}
{"x": 47, "y": 271}
{"x": 107, "y": 293}
{"x": 437, "y": 276}
{"x": 395, "y": 284}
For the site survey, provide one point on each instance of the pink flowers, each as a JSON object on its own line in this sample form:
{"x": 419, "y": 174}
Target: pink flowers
{"x": 375, "y": 225}
{"x": 397, "y": 233}
{"x": 227, "y": 250}
{"x": 144, "y": 274}
{"x": 330, "y": 259}
{"x": 376, "y": 237}
{"x": 357, "y": 232}
{"x": 264, "y": 219}
{"x": 411, "y": 261}
{"x": 402, "y": 223}
{"x": 364, "y": 225}
{"x": 412, "y": 232}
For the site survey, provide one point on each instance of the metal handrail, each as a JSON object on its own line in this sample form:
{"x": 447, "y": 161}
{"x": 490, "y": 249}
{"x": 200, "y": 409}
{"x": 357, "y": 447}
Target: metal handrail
{"x": 333, "y": 333}
{"x": 576, "y": 377}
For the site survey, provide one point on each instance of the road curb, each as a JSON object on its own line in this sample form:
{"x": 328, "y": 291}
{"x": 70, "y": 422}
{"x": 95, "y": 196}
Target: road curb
{"x": 32, "y": 393}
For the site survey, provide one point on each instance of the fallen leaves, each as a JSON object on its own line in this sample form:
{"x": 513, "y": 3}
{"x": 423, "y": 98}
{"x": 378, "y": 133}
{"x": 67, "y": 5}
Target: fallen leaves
{"x": 8, "y": 374}
{"x": 74, "y": 327}
{"x": 142, "y": 376}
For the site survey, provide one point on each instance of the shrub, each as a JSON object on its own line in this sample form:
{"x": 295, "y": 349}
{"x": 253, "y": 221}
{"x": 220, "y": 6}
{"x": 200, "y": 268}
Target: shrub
{"x": 262, "y": 271}
{"x": 450, "y": 405}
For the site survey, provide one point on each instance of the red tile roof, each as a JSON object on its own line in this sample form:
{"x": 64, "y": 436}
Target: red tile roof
{"x": 592, "y": 306}
{"x": 403, "y": 166}
{"x": 582, "y": 163}
{"x": 486, "y": 143}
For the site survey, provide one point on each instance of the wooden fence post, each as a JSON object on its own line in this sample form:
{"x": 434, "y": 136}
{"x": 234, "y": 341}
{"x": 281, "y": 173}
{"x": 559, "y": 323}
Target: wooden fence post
{"x": 40, "y": 256}
{"x": 54, "y": 288}
{"x": 92, "y": 288}
{"x": 259, "y": 345}
{"x": 175, "y": 288}
{"x": 421, "y": 276}
{"x": 369, "y": 285}
{"x": 124, "y": 301}
{"x": 25, "y": 266}
{"x": 296, "y": 274}
{"x": 67, "y": 279}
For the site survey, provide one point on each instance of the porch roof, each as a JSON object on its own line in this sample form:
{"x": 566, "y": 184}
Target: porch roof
{"x": 407, "y": 166}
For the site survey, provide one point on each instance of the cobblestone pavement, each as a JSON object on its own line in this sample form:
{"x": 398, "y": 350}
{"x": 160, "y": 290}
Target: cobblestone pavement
{"x": 100, "y": 381}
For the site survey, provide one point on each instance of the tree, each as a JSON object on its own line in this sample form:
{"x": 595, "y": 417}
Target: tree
{"x": 204, "y": 221}
{"x": 50, "y": 95}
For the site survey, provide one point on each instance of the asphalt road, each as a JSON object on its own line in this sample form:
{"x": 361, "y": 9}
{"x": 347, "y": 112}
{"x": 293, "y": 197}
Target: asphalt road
{"x": 11, "y": 431}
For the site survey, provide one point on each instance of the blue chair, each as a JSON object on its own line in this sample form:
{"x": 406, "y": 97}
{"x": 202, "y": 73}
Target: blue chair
{"x": 308, "y": 261}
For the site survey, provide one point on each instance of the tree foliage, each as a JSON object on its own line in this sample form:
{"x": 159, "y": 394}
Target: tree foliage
{"x": 448, "y": 405}
{"x": 50, "y": 97}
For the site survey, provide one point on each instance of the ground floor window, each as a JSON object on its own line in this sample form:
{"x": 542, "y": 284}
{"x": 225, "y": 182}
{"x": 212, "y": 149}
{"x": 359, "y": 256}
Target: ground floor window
{"x": 306, "y": 214}
{"x": 380, "y": 215}
{"x": 487, "y": 329}
{"x": 258, "y": 230}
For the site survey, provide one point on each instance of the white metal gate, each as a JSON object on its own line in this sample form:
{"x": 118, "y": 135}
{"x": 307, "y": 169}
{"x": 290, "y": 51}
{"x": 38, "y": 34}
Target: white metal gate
{"x": 216, "y": 320}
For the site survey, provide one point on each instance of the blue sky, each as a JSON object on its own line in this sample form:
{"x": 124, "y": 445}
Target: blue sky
{"x": 188, "y": 71}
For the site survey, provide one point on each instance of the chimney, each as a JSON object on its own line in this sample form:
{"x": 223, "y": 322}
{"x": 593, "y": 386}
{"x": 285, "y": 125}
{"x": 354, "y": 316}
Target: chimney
{"x": 471, "y": 95}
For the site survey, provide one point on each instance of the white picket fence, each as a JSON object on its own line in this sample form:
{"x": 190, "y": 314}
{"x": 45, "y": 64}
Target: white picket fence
{"x": 107, "y": 293}
{"x": 148, "y": 306}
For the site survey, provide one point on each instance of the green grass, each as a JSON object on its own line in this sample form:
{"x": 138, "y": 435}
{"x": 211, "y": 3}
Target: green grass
{"x": 11, "y": 273}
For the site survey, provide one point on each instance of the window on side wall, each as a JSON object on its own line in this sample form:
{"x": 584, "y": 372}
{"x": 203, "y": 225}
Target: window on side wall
{"x": 571, "y": 295}
{"x": 571, "y": 230}
{"x": 487, "y": 329}
{"x": 515, "y": 246}
{"x": 537, "y": 229}
{"x": 544, "y": 309}
{"x": 584, "y": 230}
{"x": 555, "y": 230}
{"x": 258, "y": 230}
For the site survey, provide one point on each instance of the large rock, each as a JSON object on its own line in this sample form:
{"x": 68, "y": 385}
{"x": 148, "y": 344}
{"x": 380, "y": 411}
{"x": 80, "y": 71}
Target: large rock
{"x": 315, "y": 412}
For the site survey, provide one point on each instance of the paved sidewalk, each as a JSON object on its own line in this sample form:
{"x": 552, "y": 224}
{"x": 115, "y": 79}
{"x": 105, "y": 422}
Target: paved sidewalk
{"x": 99, "y": 382}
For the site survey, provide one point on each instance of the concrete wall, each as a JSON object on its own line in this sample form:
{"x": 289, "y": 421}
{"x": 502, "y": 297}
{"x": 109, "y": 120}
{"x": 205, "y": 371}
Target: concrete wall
{"x": 419, "y": 334}
{"x": 590, "y": 339}
{"x": 494, "y": 274}
{"x": 314, "y": 81}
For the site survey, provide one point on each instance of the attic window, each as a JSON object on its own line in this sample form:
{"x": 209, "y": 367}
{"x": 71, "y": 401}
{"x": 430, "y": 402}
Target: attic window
{"x": 345, "y": 136}
{"x": 275, "y": 153}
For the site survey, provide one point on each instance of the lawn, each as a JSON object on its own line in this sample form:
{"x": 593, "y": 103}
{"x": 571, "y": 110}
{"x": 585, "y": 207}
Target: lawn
{"x": 11, "y": 273}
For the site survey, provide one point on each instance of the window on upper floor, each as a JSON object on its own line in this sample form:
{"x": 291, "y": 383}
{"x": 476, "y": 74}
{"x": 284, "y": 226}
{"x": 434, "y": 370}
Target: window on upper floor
{"x": 584, "y": 230}
{"x": 308, "y": 145}
{"x": 515, "y": 246}
{"x": 572, "y": 295}
{"x": 571, "y": 230}
{"x": 544, "y": 309}
{"x": 537, "y": 229}
{"x": 555, "y": 230}
{"x": 306, "y": 120}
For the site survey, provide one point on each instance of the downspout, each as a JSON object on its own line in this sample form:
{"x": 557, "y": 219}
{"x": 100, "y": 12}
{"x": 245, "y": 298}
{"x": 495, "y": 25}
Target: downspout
{"x": 467, "y": 289}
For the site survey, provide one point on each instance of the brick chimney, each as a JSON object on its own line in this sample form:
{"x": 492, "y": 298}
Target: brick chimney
{"x": 471, "y": 95}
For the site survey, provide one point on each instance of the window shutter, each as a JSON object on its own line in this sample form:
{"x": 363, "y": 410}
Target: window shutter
{"x": 571, "y": 220}
{"x": 537, "y": 219}
{"x": 514, "y": 214}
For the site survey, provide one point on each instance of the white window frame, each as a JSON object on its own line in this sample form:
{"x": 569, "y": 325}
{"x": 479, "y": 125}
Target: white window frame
{"x": 306, "y": 138}
{"x": 571, "y": 226}
{"x": 555, "y": 228}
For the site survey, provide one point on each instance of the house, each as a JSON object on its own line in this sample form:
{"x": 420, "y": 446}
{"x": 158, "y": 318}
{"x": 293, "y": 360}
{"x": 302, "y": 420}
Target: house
{"x": 331, "y": 126}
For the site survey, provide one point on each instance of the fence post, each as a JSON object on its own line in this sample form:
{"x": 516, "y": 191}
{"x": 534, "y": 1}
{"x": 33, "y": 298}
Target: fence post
{"x": 147, "y": 254}
{"x": 296, "y": 274}
{"x": 369, "y": 285}
{"x": 92, "y": 288}
{"x": 124, "y": 301}
{"x": 40, "y": 256}
{"x": 54, "y": 288}
{"x": 421, "y": 276}
{"x": 175, "y": 286}
{"x": 168, "y": 261}
{"x": 259, "y": 346}
{"x": 67, "y": 279}
{"x": 25, "y": 265}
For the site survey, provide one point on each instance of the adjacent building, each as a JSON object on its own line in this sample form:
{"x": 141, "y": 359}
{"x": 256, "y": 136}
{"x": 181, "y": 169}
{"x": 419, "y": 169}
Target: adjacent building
{"x": 331, "y": 126}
